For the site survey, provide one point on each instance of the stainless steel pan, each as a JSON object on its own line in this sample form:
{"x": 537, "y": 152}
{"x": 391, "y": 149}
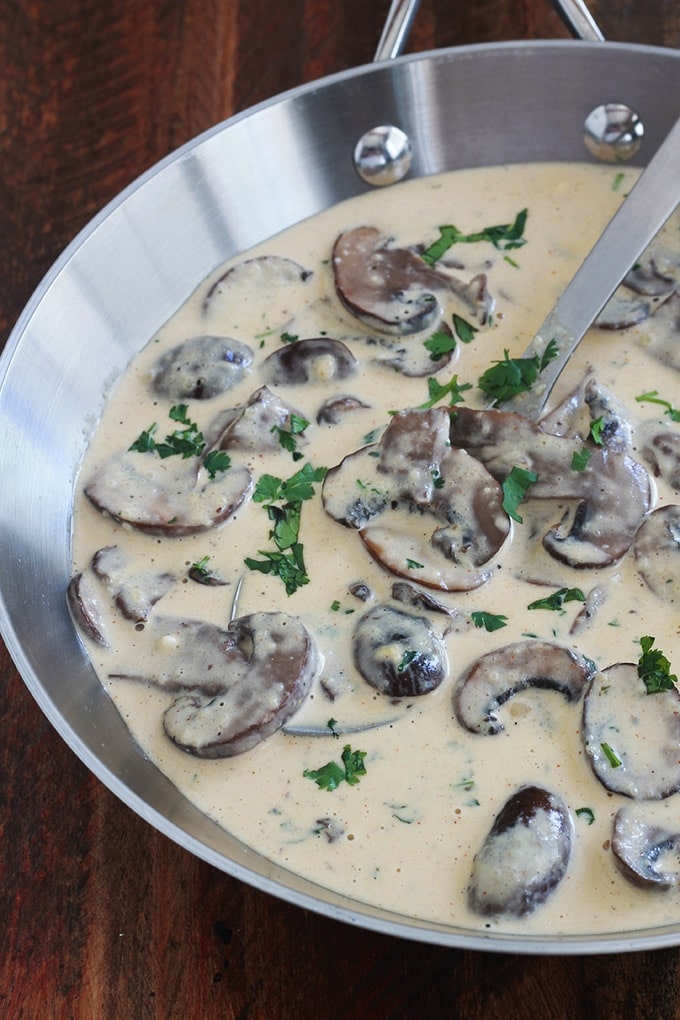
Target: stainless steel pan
{"x": 140, "y": 258}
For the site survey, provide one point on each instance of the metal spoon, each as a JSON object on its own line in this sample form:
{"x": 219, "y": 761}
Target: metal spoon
{"x": 635, "y": 224}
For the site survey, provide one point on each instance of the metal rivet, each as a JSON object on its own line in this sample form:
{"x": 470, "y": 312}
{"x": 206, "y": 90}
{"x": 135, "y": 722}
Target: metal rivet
{"x": 383, "y": 155}
{"x": 613, "y": 132}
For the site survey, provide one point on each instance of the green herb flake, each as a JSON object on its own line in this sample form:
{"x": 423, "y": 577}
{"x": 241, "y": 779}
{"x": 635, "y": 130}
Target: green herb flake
{"x": 331, "y": 725}
{"x": 216, "y": 460}
{"x": 488, "y": 621}
{"x": 618, "y": 181}
{"x": 201, "y": 567}
{"x": 406, "y": 660}
{"x": 413, "y": 564}
{"x": 186, "y": 442}
{"x": 654, "y": 669}
{"x": 557, "y": 599}
{"x": 511, "y": 376}
{"x": 580, "y": 458}
{"x": 439, "y": 344}
{"x": 437, "y": 391}
{"x": 611, "y": 756}
{"x": 504, "y": 237}
{"x": 289, "y": 338}
{"x": 463, "y": 329}
{"x": 287, "y": 562}
{"x": 515, "y": 488}
{"x": 330, "y": 775}
{"x": 335, "y": 606}
{"x": 586, "y": 813}
{"x": 596, "y": 431}
{"x": 652, "y": 397}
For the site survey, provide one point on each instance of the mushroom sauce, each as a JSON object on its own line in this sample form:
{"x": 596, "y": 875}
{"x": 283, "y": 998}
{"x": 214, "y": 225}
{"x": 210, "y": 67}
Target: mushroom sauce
{"x": 414, "y": 677}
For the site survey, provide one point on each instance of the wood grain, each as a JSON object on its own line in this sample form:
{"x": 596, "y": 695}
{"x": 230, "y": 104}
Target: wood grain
{"x": 101, "y": 916}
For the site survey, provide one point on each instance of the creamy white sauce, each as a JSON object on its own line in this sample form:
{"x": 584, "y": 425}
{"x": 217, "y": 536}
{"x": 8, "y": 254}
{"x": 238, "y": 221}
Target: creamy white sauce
{"x": 409, "y": 830}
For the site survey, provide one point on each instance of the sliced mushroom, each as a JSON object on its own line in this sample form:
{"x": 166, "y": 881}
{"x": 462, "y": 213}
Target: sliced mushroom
{"x": 409, "y": 355}
{"x": 172, "y": 497}
{"x": 111, "y": 576}
{"x": 255, "y": 425}
{"x": 632, "y": 738}
{"x": 134, "y": 592}
{"x": 613, "y": 492}
{"x": 657, "y": 552}
{"x": 270, "y": 282}
{"x": 496, "y": 677}
{"x": 267, "y": 663}
{"x": 648, "y": 285}
{"x": 424, "y": 511}
{"x": 595, "y": 599}
{"x": 201, "y": 368}
{"x": 333, "y": 410}
{"x": 397, "y": 653}
{"x": 392, "y": 289}
{"x": 641, "y": 843}
{"x": 661, "y": 450}
{"x": 87, "y": 601}
{"x": 525, "y": 855}
{"x": 317, "y": 359}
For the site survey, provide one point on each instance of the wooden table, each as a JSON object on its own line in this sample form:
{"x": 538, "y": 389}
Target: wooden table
{"x": 101, "y": 916}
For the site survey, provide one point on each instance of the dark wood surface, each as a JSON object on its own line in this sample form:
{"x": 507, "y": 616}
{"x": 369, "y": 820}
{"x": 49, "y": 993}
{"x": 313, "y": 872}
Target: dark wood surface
{"x": 101, "y": 916}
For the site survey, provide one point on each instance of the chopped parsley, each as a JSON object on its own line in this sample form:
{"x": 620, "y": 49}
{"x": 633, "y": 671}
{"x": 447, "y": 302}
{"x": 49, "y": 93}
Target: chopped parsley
{"x": 282, "y": 499}
{"x": 653, "y": 398}
{"x": 489, "y": 621}
{"x": 186, "y": 442}
{"x": 463, "y": 329}
{"x": 413, "y": 564}
{"x": 596, "y": 431}
{"x": 216, "y": 460}
{"x": 439, "y": 344}
{"x": 654, "y": 669}
{"x": 515, "y": 488}
{"x": 587, "y": 813}
{"x": 406, "y": 660}
{"x": 511, "y": 376}
{"x": 289, "y": 338}
{"x": 453, "y": 389}
{"x": 580, "y": 458}
{"x": 287, "y": 437}
{"x": 611, "y": 756}
{"x": 504, "y": 237}
{"x": 557, "y": 599}
{"x": 330, "y": 775}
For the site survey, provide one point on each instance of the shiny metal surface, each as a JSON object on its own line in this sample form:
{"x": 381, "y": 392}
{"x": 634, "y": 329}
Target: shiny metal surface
{"x": 613, "y": 132}
{"x": 578, "y": 19}
{"x": 634, "y": 226}
{"x": 136, "y": 262}
{"x": 383, "y": 155}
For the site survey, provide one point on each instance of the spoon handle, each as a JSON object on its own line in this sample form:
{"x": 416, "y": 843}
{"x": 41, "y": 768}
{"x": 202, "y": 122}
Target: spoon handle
{"x": 635, "y": 224}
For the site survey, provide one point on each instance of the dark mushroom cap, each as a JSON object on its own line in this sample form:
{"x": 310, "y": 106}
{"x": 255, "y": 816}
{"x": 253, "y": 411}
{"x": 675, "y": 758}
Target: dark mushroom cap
{"x": 424, "y": 511}
{"x": 525, "y": 855}
{"x": 316, "y": 359}
{"x": 267, "y": 662}
{"x": 657, "y": 552}
{"x": 496, "y": 677}
{"x": 641, "y": 730}
{"x": 169, "y": 497}
{"x": 398, "y": 653}
{"x": 201, "y": 368}
{"x": 641, "y": 839}
{"x": 612, "y": 494}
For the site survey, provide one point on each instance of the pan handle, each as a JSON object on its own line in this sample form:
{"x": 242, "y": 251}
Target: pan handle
{"x": 578, "y": 20}
{"x": 397, "y": 27}
{"x": 395, "y": 33}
